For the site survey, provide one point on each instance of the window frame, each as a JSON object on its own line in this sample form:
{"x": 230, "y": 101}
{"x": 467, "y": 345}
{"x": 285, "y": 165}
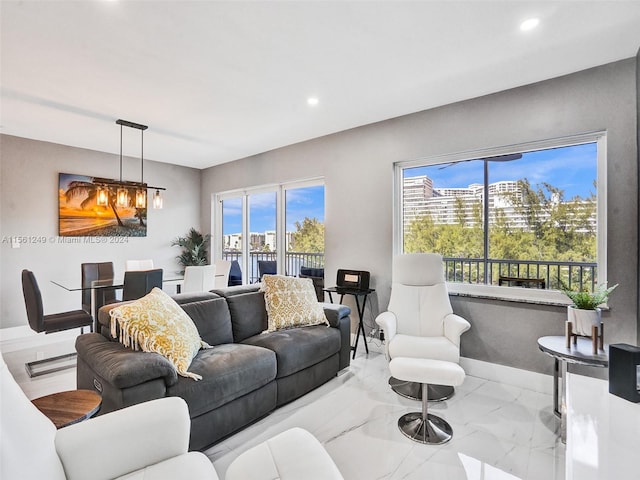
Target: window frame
{"x": 280, "y": 190}
{"x": 518, "y": 294}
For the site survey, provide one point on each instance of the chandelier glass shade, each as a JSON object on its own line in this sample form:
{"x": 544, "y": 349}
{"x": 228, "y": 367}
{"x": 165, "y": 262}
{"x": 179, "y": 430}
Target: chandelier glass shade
{"x": 102, "y": 196}
{"x": 157, "y": 199}
{"x": 141, "y": 198}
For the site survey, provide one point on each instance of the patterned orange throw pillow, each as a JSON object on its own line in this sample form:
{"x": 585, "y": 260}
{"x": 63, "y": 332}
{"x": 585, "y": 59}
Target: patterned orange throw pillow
{"x": 291, "y": 302}
{"x": 156, "y": 323}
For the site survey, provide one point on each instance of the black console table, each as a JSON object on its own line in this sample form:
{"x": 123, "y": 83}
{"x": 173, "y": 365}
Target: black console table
{"x": 356, "y": 294}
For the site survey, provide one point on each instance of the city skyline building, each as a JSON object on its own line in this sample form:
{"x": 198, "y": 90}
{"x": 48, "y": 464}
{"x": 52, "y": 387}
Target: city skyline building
{"x": 451, "y": 205}
{"x": 265, "y": 241}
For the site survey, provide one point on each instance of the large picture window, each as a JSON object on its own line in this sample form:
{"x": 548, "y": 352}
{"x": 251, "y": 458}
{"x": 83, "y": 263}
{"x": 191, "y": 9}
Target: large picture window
{"x": 530, "y": 216}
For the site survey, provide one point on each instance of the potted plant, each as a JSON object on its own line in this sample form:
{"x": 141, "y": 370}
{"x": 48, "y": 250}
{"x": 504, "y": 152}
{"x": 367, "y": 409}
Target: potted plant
{"x": 584, "y": 313}
{"x": 194, "y": 248}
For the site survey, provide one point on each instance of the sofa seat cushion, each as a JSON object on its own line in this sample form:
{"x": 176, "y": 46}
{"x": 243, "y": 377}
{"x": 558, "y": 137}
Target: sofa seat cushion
{"x": 409, "y": 346}
{"x": 228, "y": 372}
{"x": 187, "y": 465}
{"x": 299, "y": 348}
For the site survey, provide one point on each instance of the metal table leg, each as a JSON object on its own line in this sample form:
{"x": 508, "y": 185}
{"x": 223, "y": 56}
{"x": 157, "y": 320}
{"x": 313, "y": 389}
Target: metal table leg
{"x": 563, "y": 404}
{"x": 360, "y": 309}
{"x": 556, "y": 380}
{"x": 360, "y": 325}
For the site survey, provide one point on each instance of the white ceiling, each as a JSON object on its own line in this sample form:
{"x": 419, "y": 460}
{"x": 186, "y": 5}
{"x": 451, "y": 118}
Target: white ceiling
{"x": 217, "y": 81}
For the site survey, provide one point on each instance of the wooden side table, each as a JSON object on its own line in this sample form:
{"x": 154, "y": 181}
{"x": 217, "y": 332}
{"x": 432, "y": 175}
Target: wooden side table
{"x": 67, "y": 408}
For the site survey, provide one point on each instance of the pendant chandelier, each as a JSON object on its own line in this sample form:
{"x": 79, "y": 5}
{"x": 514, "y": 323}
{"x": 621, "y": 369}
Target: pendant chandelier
{"x": 123, "y": 189}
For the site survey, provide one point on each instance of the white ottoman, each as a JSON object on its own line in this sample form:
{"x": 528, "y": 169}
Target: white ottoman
{"x": 291, "y": 455}
{"x": 422, "y": 426}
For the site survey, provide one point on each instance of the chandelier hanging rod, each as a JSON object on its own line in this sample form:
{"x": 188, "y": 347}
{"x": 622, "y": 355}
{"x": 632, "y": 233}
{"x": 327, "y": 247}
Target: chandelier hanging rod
{"x": 122, "y": 186}
{"x": 108, "y": 182}
{"x": 127, "y": 123}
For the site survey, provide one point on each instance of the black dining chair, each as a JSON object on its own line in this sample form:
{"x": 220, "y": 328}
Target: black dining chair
{"x": 56, "y": 322}
{"x": 92, "y": 272}
{"x": 266, "y": 267}
{"x": 235, "y": 274}
{"x": 138, "y": 283}
{"x": 317, "y": 276}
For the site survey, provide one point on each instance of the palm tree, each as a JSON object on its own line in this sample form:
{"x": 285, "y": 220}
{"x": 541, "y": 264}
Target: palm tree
{"x": 90, "y": 191}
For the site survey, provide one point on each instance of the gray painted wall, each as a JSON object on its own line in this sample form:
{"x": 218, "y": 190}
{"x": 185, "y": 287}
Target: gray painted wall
{"x": 358, "y": 169}
{"x": 638, "y": 148}
{"x": 29, "y": 207}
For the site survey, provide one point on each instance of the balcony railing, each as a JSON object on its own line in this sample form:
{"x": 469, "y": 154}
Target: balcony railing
{"x": 293, "y": 261}
{"x": 576, "y": 275}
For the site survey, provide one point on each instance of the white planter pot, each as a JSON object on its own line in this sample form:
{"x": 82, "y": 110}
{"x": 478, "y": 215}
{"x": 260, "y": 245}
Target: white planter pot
{"x": 583, "y": 320}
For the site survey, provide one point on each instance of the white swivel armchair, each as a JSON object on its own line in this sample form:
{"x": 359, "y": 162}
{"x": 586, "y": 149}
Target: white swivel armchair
{"x": 145, "y": 441}
{"x": 420, "y": 322}
{"x": 149, "y": 440}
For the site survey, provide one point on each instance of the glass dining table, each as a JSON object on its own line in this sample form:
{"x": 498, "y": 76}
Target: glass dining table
{"x": 100, "y": 287}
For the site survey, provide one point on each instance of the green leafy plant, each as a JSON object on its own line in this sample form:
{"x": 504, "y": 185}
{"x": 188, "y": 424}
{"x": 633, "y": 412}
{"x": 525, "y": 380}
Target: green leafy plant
{"x": 588, "y": 300}
{"x": 194, "y": 248}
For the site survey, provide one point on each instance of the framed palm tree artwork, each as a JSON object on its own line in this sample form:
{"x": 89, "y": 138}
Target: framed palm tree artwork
{"x": 97, "y": 207}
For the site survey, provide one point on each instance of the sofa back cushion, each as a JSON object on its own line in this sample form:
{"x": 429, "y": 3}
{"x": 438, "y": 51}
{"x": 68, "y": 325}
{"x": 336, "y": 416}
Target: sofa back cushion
{"x": 247, "y": 308}
{"x": 208, "y": 311}
{"x": 210, "y": 314}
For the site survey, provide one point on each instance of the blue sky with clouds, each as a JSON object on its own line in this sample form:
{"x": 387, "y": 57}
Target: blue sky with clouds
{"x": 300, "y": 203}
{"x": 572, "y": 169}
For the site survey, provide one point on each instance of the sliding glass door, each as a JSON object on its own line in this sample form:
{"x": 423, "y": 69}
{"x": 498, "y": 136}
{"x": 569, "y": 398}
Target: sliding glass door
{"x": 263, "y": 241}
{"x": 276, "y": 229}
{"x": 304, "y": 217}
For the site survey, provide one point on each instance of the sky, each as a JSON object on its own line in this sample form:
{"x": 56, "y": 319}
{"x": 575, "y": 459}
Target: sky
{"x": 572, "y": 169}
{"x": 300, "y": 203}
{"x": 66, "y": 178}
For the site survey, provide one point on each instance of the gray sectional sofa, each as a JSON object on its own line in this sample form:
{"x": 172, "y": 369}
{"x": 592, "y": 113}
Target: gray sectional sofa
{"x": 245, "y": 376}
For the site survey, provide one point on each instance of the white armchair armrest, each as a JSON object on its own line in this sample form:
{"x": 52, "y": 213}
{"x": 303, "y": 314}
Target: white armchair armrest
{"x": 454, "y": 327}
{"x": 126, "y": 440}
{"x": 388, "y": 322}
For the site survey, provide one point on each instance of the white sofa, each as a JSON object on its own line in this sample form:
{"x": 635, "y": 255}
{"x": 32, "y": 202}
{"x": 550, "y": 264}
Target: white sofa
{"x": 294, "y": 454}
{"x": 128, "y": 443}
{"x": 132, "y": 443}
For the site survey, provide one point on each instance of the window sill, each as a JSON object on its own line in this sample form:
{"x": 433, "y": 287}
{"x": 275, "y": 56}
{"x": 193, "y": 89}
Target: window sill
{"x": 510, "y": 294}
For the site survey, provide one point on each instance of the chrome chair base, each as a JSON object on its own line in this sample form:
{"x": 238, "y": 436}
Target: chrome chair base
{"x": 413, "y": 390}
{"x": 61, "y": 362}
{"x": 433, "y": 431}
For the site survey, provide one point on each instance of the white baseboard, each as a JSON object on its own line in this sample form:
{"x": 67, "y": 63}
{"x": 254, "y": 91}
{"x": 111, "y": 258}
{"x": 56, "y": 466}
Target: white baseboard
{"x": 19, "y": 338}
{"x": 374, "y": 344}
{"x": 537, "y": 382}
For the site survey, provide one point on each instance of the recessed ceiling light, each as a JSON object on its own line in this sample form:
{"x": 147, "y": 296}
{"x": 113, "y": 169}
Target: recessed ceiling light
{"x": 529, "y": 24}
{"x": 313, "y": 101}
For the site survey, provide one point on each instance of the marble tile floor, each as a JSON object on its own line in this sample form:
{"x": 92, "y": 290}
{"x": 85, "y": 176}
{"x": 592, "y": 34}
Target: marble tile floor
{"x": 501, "y": 432}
